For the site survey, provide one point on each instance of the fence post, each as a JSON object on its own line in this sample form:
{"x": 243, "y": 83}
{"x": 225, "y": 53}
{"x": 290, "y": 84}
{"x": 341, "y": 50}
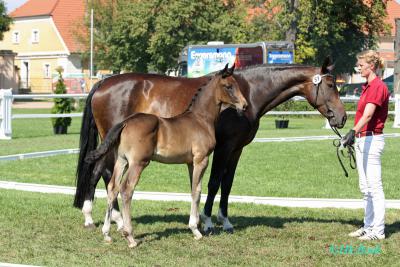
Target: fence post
{"x": 6, "y": 98}
{"x": 396, "y": 123}
{"x": 327, "y": 124}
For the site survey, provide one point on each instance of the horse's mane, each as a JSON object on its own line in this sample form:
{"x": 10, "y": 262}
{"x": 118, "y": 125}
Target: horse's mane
{"x": 196, "y": 95}
{"x": 272, "y": 67}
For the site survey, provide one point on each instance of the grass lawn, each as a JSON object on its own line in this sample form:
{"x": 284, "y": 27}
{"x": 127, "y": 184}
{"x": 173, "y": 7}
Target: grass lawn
{"x": 294, "y": 169}
{"x": 42, "y": 229}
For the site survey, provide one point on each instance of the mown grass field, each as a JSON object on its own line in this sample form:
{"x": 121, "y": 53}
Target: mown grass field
{"x": 286, "y": 169}
{"x": 45, "y": 230}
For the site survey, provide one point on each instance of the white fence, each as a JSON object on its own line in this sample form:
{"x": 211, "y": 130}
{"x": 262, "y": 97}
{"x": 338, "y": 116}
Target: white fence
{"x": 6, "y": 116}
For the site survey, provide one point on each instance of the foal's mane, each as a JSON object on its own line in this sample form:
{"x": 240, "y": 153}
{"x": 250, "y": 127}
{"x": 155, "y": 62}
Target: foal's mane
{"x": 196, "y": 95}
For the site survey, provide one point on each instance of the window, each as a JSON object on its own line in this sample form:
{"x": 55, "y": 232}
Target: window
{"x": 47, "y": 70}
{"x": 15, "y": 37}
{"x": 35, "y": 36}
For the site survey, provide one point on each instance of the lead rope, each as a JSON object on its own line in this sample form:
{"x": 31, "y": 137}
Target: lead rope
{"x": 340, "y": 152}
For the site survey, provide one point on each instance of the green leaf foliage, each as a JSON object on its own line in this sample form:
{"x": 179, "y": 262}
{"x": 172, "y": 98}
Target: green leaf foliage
{"x": 340, "y": 28}
{"x": 143, "y": 36}
{"x": 5, "y": 20}
{"x": 61, "y": 105}
{"x": 148, "y": 35}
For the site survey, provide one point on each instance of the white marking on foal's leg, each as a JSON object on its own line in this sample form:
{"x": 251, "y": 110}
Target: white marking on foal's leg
{"x": 226, "y": 224}
{"x": 116, "y": 217}
{"x": 208, "y": 226}
{"x": 193, "y": 226}
{"x": 87, "y": 213}
{"x": 106, "y": 227}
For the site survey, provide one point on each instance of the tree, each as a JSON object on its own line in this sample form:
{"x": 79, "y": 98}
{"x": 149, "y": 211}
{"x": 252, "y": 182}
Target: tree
{"x": 340, "y": 28}
{"x": 148, "y": 35}
{"x": 135, "y": 35}
{"x": 5, "y": 20}
{"x": 61, "y": 106}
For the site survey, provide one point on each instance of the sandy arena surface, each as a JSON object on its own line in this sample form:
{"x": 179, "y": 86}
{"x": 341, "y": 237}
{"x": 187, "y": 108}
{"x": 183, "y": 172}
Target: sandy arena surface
{"x": 32, "y": 104}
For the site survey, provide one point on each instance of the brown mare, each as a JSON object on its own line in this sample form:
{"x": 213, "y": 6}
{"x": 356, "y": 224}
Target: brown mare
{"x": 263, "y": 86}
{"x": 187, "y": 138}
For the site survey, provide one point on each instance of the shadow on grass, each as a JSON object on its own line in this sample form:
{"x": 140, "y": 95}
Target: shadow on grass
{"x": 240, "y": 223}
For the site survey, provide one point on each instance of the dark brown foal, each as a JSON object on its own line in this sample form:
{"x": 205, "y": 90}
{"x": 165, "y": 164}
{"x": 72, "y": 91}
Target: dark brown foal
{"x": 187, "y": 138}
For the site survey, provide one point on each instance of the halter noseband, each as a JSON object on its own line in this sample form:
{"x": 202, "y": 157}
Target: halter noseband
{"x": 316, "y": 80}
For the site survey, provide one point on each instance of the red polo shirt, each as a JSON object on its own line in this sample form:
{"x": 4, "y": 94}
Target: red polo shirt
{"x": 375, "y": 92}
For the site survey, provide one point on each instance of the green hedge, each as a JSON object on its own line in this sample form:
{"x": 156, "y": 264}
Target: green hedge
{"x": 305, "y": 106}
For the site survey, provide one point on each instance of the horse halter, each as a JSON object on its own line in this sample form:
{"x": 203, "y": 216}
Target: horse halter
{"x": 316, "y": 80}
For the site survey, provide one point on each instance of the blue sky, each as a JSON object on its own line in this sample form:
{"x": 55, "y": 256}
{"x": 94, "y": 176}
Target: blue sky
{"x": 13, "y": 4}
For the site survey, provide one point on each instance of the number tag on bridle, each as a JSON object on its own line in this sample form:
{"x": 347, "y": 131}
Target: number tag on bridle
{"x": 316, "y": 79}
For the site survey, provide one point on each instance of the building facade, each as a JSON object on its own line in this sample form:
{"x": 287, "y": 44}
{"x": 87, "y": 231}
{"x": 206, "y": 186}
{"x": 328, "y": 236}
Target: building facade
{"x": 43, "y": 38}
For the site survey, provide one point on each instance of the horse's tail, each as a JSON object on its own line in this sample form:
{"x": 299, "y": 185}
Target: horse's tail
{"x": 109, "y": 143}
{"x": 88, "y": 142}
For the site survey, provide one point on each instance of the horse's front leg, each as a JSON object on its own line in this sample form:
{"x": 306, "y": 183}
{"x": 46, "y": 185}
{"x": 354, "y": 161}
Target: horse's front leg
{"x": 199, "y": 167}
{"x": 221, "y": 156}
{"x": 226, "y": 186}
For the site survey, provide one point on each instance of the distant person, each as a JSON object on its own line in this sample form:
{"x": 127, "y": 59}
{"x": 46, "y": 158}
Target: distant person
{"x": 355, "y": 92}
{"x": 371, "y": 114}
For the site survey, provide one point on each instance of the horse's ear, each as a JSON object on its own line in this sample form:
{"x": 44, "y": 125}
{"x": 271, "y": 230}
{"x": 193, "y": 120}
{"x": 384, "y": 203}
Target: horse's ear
{"x": 224, "y": 72}
{"x": 230, "y": 71}
{"x": 327, "y": 66}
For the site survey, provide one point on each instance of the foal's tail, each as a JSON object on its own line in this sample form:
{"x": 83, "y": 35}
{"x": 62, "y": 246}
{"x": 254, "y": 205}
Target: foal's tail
{"x": 109, "y": 143}
{"x": 88, "y": 142}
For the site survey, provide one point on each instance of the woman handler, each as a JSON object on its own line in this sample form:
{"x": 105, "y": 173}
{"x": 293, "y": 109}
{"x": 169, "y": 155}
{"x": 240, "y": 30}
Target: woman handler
{"x": 372, "y": 111}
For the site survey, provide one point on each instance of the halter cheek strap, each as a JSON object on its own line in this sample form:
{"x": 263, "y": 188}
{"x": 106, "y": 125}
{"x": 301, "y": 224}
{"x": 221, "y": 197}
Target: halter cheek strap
{"x": 316, "y": 80}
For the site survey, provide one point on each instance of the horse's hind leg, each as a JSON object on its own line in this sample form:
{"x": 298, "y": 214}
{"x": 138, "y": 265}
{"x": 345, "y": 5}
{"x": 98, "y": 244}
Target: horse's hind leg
{"x": 88, "y": 203}
{"x": 112, "y": 193}
{"x": 115, "y": 214}
{"x": 199, "y": 167}
{"x": 128, "y": 186}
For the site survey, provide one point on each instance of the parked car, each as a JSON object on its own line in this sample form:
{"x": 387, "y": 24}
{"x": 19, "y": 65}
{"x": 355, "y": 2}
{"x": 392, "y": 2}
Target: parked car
{"x": 354, "y": 89}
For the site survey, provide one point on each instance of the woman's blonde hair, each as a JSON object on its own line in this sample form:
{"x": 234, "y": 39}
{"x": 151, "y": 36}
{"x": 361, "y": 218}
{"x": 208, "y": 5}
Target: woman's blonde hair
{"x": 372, "y": 57}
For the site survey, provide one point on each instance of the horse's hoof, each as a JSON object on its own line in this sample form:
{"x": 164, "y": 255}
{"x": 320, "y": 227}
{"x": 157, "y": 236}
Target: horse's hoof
{"x": 132, "y": 244}
{"x": 229, "y": 230}
{"x": 197, "y": 234}
{"x": 90, "y": 226}
{"x": 209, "y": 231}
{"x": 108, "y": 239}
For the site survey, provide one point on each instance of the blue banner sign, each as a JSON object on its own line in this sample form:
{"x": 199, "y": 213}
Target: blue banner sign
{"x": 203, "y": 60}
{"x": 280, "y": 57}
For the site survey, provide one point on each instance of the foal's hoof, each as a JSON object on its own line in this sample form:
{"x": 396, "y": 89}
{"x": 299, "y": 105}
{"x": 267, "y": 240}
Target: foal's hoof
{"x": 108, "y": 239}
{"x": 197, "y": 234}
{"x": 198, "y": 237}
{"x": 209, "y": 231}
{"x": 90, "y": 226}
{"x": 134, "y": 243}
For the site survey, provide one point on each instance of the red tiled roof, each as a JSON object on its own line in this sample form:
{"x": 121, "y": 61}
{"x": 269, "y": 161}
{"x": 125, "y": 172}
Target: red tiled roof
{"x": 66, "y": 15}
{"x": 387, "y": 56}
{"x": 34, "y": 8}
{"x": 393, "y": 10}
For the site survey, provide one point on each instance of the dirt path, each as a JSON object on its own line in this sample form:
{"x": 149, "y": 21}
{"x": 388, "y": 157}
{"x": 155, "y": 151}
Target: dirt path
{"x": 32, "y": 104}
